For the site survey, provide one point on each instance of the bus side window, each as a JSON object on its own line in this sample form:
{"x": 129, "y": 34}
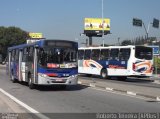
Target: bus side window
{"x": 124, "y": 54}
{"x": 114, "y": 54}
{"x": 24, "y": 55}
{"x": 80, "y": 54}
{"x": 104, "y": 55}
{"x": 95, "y": 54}
{"x": 87, "y": 55}
{"x": 30, "y": 54}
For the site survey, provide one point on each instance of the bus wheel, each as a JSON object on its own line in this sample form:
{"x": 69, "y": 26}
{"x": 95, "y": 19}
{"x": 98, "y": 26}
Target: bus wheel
{"x": 104, "y": 73}
{"x": 30, "y": 84}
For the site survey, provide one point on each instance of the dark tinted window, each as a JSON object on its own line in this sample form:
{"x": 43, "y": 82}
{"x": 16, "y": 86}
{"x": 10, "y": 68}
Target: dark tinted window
{"x": 56, "y": 55}
{"x": 95, "y": 54}
{"x": 25, "y": 54}
{"x": 80, "y": 54}
{"x": 104, "y": 54}
{"x": 143, "y": 52}
{"x": 124, "y": 54}
{"x": 114, "y": 54}
{"x": 30, "y": 54}
{"x": 87, "y": 54}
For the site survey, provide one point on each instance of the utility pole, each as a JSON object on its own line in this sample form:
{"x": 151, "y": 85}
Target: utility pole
{"x": 102, "y": 24}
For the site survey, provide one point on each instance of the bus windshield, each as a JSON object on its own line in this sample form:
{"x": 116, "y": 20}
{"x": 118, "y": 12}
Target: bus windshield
{"x": 56, "y": 55}
{"x": 143, "y": 52}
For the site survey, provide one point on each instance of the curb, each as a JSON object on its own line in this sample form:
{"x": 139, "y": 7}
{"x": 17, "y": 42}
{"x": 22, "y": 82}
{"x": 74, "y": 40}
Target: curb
{"x": 156, "y": 98}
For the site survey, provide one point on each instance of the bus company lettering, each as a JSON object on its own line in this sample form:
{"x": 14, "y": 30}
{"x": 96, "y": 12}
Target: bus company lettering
{"x": 116, "y": 67}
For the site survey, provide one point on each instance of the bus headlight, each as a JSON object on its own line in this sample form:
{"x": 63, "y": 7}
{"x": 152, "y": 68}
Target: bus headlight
{"x": 43, "y": 75}
{"x": 74, "y": 76}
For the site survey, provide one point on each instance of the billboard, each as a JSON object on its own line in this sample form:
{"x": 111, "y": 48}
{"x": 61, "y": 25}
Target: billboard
{"x": 95, "y": 26}
{"x": 35, "y": 35}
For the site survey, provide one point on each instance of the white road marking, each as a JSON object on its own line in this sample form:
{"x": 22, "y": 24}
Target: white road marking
{"x": 128, "y": 93}
{"x": 24, "y": 105}
{"x": 158, "y": 98}
{"x": 110, "y": 89}
{"x": 114, "y": 92}
{"x": 79, "y": 82}
{"x": 92, "y": 85}
{"x": 131, "y": 93}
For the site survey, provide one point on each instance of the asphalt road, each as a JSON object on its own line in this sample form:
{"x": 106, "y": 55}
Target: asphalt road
{"x": 144, "y": 82}
{"x": 76, "y": 99}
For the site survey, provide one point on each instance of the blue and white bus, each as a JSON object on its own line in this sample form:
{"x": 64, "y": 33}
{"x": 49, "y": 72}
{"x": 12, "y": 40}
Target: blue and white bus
{"x": 119, "y": 61}
{"x": 45, "y": 62}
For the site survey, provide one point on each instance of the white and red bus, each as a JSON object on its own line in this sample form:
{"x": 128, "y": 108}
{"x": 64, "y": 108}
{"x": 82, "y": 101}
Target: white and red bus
{"x": 119, "y": 61}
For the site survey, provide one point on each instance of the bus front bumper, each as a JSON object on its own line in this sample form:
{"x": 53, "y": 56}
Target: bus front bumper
{"x": 45, "y": 80}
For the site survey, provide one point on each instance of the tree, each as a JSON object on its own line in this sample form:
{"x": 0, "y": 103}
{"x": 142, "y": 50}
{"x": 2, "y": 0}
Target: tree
{"x": 126, "y": 42}
{"x": 10, "y": 36}
{"x": 105, "y": 45}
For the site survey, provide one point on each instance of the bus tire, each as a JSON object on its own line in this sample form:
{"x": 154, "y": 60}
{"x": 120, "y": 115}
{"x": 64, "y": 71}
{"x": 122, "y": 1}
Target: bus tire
{"x": 30, "y": 83}
{"x": 104, "y": 73}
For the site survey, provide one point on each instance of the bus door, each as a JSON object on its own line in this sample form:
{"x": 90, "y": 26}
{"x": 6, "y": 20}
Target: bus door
{"x": 9, "y": 64}
{"x": 35, "y": 64}
{"x": 27, "y": 64}
{"x": 20, "y": 65}
{"x": 24, "y": 67}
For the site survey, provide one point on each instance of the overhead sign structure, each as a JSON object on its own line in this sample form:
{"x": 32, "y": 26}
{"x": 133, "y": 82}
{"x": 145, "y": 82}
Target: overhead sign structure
{"x": 137, "y": 22}
{"x": 35, "y": 35}
{"x": 96, "y": 26}
{"x": 155, "y": 49}
{"x": 155, "y": 23}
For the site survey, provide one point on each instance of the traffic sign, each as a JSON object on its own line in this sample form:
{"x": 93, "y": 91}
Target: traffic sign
{"x": 155, "y": 49}
{"x": 137, "y": 22}
{"x": 155, "y": 23}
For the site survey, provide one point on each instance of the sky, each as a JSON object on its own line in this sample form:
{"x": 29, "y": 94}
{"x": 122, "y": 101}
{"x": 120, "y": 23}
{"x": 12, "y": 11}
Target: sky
{"x": 64, "y": 19}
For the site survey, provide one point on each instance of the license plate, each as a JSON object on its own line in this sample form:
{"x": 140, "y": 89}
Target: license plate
{"x": 59, "y": 80}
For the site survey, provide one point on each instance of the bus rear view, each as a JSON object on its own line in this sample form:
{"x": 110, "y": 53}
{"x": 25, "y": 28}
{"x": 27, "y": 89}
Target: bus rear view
{"x": 116, "y": 61}
{"x": 143, "y": 62}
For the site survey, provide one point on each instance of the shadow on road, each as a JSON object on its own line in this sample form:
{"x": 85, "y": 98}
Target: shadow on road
{"x": 56, "y": 87}
{"x": 129, "y": 79}
{"x": 59, "y": 88}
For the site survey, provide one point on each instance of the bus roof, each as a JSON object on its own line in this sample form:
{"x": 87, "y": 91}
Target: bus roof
{"x": 108, "y": 47}
{"x": 39, "y": 43}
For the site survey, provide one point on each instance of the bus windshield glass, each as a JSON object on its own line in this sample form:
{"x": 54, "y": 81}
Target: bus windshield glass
{"x": 57, "y": 55}
{"x": 143, "y": 52}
